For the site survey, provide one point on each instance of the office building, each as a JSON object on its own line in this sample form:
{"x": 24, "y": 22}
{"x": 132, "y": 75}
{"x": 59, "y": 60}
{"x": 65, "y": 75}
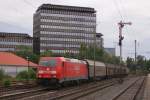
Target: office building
{"x": 10, "y": 41}
{"x": 63, "y": 28}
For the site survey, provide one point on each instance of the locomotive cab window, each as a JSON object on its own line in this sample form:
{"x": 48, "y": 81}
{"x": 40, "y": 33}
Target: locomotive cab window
{"x": 50, "y": 63}
{"x": 43, "y": 63}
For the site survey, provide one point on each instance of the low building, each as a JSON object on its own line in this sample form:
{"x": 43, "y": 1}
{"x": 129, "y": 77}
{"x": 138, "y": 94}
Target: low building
{"x": 13, "y": 64}
{"x": 99, "y": 40}
{"x": 111, "y": 51}
{"x": 10, "y": 41}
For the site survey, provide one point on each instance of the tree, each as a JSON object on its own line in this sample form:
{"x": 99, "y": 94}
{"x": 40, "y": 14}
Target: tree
{"x": 141, "y": 66}
{"x": 26, "y": 51}
{"x": 47, "y": 53}
{"x": 116, "y": 60}
{"x": 90, "y": 52}
{"x": 4, "y": 78}
{"x": 2, "y": 74}
{"x": 66, "y": 54}
{"x": 147, "y": 65}
{"x": 82, "y": 51}
{"x": 100, "y": 55}
{"x": 26, "y": 75}
{"x": 131, "y": 64}
{"x": 23, "y": 51}
{"x": 140, "y": 62}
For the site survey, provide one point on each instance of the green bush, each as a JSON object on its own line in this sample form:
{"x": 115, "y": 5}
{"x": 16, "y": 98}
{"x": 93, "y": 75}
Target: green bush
{"x": 25, "y": 75}
{"x": 7, "y": 83}
{"x": 2, "y": 74}
{"x": 32, "y": 74}
{"x": 8, "y": 77}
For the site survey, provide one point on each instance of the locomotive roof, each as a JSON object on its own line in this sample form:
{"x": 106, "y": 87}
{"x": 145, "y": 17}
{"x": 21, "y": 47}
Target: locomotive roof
{"x": 75, "y": 60}
{"x": 48, "y": 58}
{"x": 97, "y": 63}
{"x": 63, "y": 59}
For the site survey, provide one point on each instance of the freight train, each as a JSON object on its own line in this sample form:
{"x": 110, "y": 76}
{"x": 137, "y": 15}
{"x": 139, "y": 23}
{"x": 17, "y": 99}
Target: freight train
{"x": 59, "y": 70}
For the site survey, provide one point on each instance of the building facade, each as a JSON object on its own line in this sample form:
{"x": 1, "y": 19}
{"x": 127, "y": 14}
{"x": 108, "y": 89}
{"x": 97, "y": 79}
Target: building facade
{"x": 63, "y": 28}
{"x": 99, "y": 40}
{"x": 12, "y": 64}
{"x": 10, "y": 41}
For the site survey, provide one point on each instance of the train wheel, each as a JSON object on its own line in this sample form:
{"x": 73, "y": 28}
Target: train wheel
{"x": 39, "y": 81}
{"x": 78, "y": 82}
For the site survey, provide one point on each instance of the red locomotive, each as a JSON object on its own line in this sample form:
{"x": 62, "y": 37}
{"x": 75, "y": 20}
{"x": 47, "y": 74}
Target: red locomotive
{"x": 54, "y": 70}
{"x": 59, "y": 69}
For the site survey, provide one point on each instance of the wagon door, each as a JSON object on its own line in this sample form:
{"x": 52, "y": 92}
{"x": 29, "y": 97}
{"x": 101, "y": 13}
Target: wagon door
{"x": 64, "y": 71}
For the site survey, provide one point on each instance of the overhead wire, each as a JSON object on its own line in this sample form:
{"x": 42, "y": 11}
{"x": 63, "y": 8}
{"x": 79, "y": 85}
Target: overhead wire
{"x": 123, "y": 8}
{"x": 18, "y": 12}
{"x": 118, "y": 10}
{"x": 119, "y": 4}
{"x": 30, "y": 4}
{"x": 122, "y": 5}
{"x": 124, "y": 12}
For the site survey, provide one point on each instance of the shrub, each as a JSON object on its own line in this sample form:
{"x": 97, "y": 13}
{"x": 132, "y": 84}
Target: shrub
{"x": 7, "y": 83}
{"x": 32, "y": 74}
{"x": 2, "y": 74}
{"x": 25, "y": 75}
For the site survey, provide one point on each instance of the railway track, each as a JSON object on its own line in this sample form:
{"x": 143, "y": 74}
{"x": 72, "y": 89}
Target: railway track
{"x": 67, "y": 90}
{"x": 22, "y": 94}
{"x": 75, "y": 94}
{"x": 13, "y": 83}
{"x": 4, "y": 90}
{"x": 17, "y": 85}
{"x": 131, "y": 92}
{"x": 67, "y": 93}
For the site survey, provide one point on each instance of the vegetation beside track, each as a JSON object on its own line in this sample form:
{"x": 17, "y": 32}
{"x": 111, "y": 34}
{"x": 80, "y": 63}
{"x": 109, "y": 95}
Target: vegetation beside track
{"x": 22, "y": 76}
{"x": 140, "y": 67}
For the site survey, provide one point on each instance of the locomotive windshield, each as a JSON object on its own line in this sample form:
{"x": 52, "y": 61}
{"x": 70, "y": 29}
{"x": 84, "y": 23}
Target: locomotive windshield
{"x": 50, "y": 63}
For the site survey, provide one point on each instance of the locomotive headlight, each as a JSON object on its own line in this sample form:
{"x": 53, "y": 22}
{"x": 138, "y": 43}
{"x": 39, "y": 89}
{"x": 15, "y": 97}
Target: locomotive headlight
{"x": 53, "y": 72}
{"x": 41, "y": 72}
{"x": 47, "y": 69}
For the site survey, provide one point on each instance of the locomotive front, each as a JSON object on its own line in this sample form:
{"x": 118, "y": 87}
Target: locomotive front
{"x": 49, "y": 71}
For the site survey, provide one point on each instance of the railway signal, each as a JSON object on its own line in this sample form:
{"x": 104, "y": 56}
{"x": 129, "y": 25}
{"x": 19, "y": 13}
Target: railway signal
{"x": 121, "y": 25}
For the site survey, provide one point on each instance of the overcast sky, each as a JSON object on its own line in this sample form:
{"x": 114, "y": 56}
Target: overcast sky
{"x": 17, "y": 16}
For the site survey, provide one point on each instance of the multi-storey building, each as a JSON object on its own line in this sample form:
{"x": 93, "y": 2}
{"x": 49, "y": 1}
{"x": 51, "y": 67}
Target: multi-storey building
{"x": 99, "y": 40}
{"x": 10, "y": 41}
{"x": 63, "y": 28}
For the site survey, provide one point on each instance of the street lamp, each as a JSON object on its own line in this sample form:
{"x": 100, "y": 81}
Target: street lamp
{"x": 28, "y": 66}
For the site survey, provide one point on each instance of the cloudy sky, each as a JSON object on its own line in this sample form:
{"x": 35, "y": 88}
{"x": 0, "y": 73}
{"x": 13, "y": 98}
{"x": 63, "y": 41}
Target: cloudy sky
{"x": 17, "y": 16}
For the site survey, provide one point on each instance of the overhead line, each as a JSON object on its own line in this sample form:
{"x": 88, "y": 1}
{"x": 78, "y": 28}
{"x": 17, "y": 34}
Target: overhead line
{"x": 117, "y": 7}
{"x": 28, "y": 3}
{"x": 123, "y": 8}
